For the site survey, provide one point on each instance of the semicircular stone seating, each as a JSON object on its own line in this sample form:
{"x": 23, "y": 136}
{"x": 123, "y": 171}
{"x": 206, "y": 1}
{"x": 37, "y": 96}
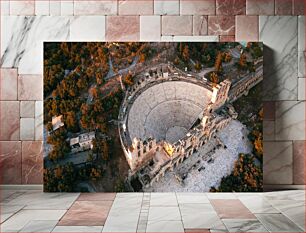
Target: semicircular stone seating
{"x": 166, "y": 111}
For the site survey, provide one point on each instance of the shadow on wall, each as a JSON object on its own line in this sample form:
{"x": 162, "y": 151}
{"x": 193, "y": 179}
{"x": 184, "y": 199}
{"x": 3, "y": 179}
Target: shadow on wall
{"x": 269, "y": 82}
{"x": 269, "y": 73}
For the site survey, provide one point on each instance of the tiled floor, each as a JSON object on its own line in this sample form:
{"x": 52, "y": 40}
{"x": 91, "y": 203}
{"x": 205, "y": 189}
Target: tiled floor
{"x": 34, "y": 211}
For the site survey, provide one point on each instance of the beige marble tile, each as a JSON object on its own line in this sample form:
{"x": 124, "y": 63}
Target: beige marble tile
{"x": 95, "y": 7}
{"x": 150, "y": 28}
{"x": 27, "y": 129}
{"x": 122, "y": 28}
{"x": 166, "y": 7}
{"x": 260, "y": 7}
{"x": 30, "y": 87}
{"x": 177, "y": 25}
{"x": 277, "y": 163}
{"x": 8, "y": 84}
{"x": 135, "y": 7}
{"x": 22, "y": 7}
{"x": 27, "y": 109}
{"x": 200, "y": 25}
{"x": 247, "y": 28}
{"x": 9, "y": 120}
{"x": 191, "y": 7}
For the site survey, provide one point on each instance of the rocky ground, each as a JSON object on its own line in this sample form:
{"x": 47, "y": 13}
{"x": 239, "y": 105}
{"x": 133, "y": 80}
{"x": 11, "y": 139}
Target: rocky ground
{"x": 202, "y": 175}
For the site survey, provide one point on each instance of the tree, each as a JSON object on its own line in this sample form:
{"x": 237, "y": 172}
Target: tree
{"x": 242, "y": 61}
{"x": 94, "y": 92}
{"x": 128, "y": 79}
{"x": 185, "y": 54}
{"x": 218, "y": 62}
{"x": 214, "y": 78}
{"x": 198, "y": 66}
{"x": 95, "y": 173}
{"x": 227, "y": 57}
{"x": 142, "y": 58}
{"x": 49, "y": 126}
{"x": 246, "y": 177}
{"x": 71, "y": 122}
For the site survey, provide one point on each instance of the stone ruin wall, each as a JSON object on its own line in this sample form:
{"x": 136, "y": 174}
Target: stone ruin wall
{"x": 139, "y": 153}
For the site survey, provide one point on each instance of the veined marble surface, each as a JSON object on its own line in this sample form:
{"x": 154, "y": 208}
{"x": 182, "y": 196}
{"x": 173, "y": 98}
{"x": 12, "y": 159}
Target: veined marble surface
{"x": 22, "y": 40}
{"x": 290, "y": 120}
{"x": 301, "y": 46}
{"x": 280, "y": 37}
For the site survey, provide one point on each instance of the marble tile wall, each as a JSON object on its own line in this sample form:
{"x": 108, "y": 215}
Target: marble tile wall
{"x": 280, "y": 24}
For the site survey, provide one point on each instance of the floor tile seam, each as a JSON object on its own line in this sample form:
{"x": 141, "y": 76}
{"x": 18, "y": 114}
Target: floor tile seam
{"x": 13, "y": 214}
{"x": 181, "y": 216}
{"x": 140, "y": 211}
{"x": 9, "y": 197}
{"x": 252, "y": 220}
{"x": 255, "y": 212}
{"x": 278, "y": 209}
{"x": 298, "y": 227}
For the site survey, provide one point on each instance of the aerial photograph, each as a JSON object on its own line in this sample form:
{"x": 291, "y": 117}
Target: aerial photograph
{"x": 153, "y": 117}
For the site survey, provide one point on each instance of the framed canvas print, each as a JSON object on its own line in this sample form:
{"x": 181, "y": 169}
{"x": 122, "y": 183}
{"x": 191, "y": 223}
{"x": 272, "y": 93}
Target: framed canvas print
{"x": 153, "y": 117}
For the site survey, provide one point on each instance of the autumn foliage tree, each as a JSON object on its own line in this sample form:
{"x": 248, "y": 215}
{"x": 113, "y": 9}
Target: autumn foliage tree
{"x": 218, "y": 62}
{"x": 242, "y": 61}
{"x": 214, "y": 78}
{"x": 198, "y": 66}
{"x": 227, "y": 57}
{"x": 246, "y": 177}
{"x": 128, "y": 79}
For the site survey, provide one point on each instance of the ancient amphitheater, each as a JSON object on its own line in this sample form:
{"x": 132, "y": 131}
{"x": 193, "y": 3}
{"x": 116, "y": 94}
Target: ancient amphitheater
{"x": 166, "y": 111}
{"x": 168, "y": 115}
